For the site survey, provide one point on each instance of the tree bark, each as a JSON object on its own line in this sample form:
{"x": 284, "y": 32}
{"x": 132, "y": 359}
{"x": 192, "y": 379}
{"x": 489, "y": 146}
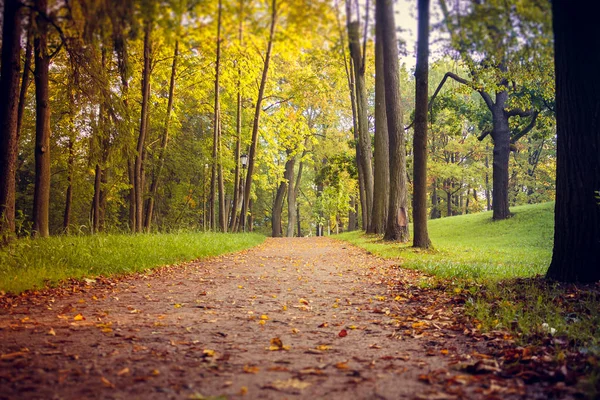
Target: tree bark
{"x": 276, "y": 228}
{"x": 9, "y": 89}
{"x": 163, "y": 144}
{"x": 397, "y": 224}
{"x": 69, "y": 194}
{"x": 364, "y": 137}
{"x": 233, "y": 223}
{"x": 26, "y": 79}
{"x": 41, "y": 195}
{"x": 292, "y": 190}
{"x": 381, "y": 190}
{"x": 138, "y": 178}
{"x": 257, "y": 111}
{"x": 420, "y": 234}
{"x": 576, "y": 252}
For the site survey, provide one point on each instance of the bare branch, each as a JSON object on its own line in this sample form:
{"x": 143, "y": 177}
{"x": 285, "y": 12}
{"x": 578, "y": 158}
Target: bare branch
{"x": 483, "y": 135}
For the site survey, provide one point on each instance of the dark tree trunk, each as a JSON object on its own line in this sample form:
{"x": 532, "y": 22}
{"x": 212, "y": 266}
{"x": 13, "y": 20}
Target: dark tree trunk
{"x": 576, "y": 253}
{"x": 435, "y": 202}
{"x": 96, "y": 201}
{"x": 69, "y": 194}
{"x": 364, "y": 137}
{"x": 420, "y": 235}
{"x": 25, "y": 80}
{"x": 488, "y": 195}
{"x": 132, "y": 196}
{"x": 381, "y": 191}
{"x": 501, "y": 135}
{"x": 276, "y": 228}
{"x": 397, "y": 225}
{"x": 299, "y": 228}
{"x": 9, "y": 89}
{"x": 138, "y": 170}
{"x": 233, "y": 222}
{"x": 41, "y": 195}
{"x": 257, "y": 111}
{"x": 291, "y": 196}
{"x": 163, "y": 144}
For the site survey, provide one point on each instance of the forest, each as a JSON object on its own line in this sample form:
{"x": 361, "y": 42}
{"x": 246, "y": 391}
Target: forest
{"x": 147, "y": 115}
{"x": 428, "y": 173}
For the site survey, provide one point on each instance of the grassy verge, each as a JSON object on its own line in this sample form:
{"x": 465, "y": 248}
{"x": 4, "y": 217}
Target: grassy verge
{"x": 28, "y": 264}
{"x": 498, "y": 266}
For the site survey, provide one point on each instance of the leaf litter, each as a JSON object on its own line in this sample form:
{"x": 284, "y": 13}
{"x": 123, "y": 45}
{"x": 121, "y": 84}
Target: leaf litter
{"x": 333, "y": 321}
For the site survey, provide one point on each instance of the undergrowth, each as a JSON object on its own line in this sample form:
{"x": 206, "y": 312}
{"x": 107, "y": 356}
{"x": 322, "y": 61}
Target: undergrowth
{"x": 34, "y": 263}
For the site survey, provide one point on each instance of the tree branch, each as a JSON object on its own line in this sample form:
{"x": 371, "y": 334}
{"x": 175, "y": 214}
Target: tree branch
{"x": 518, "y": 112}
{"x": 526, "y": 130}
{"x": 483, "y": 135}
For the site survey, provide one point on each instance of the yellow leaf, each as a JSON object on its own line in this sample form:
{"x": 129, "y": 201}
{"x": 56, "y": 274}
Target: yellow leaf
{"x": 323, "y": 347}
{"x": 25, "y": 320}
{"x": 303, "y": 301}
{"x": 264, "y": 317}
{"x": 262, "y": 322}
{"x": 295, "y": 330}
{"x": 107, "y": 383}
{"x": 444, "y": 351}
{"x": 284, "y": 308}
{"x": 419, "y": 325}
{"x": 240, "y": 287}
{"x": 250, "y": 369}
{"x": 352, "y": 327}
{"x": 78, "y": 317}
{"x": 243, "y": 391}
{"x": 342, "y": 365}
{"x": 124, "y": 371}
{"x": 335, "y": 305}
{"x": 155, "y": 372}
{"x": 177, "y": 305}
{"x": 51, "y": 332}
{"x": 208, "y": 353}
{"x": 380, "y": 298}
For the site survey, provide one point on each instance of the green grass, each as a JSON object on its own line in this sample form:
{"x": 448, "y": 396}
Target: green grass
{"x": 476, "y": 247}
{"x": 30, "y": 264}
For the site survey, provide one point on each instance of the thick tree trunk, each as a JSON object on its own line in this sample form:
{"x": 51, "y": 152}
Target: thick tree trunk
{"x": 397, "y": 225}
{"x": 576, "y": 253}
{"x": 41, "y": 195}
{"x": 25, "y": 80}
{"x": 352, "y": 214}
{"x": 501, "y": 136}
{"x": 381, "y": 191}
{"x": 9, "y": 89}
{"x": 257, "y": 111}
{"x": 163, "y": 144}
{"x": 291, "y": 196}
{"x": 420, "y": 235}
{"x": 364, "y": 137}
{"x": 138, "y": 183}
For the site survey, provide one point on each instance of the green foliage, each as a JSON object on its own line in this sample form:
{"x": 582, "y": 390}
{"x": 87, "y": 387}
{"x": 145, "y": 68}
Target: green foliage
{"x": 28, "y": 264}
{"x": 476, "y": 247}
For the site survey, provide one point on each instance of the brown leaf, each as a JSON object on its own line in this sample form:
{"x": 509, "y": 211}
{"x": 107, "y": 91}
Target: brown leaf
{"x": 343, "y": 333}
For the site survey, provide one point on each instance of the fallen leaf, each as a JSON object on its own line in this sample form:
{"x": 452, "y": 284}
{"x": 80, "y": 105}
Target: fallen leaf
{"x": 342, "y": 365}
{"x": 324, "y": 325}
{"x": 343, "y": 333}
{"x": 323, "y": 347}
{"x": 51, "y": 332}
{"x": 124, "y": 371}
{"x": 243, "y": 391}
{"x": 78, "y": 317}
{"x": 264, "y": 317}
{"x": 288, "y": 384}
{"x": 251, "y": 369}
{"x": 208, "y": 353}
{"x": 107, "y": 383}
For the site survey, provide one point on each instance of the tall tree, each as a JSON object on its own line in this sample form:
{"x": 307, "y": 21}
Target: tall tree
{"x": 41, "y": 196}
{"x": 364, "y": 153}
{"x": 420, "y": 235}
{"x": 397, "y": 224}
{"x": 257, "y": 112}
{"x": 382, "y": 145}
{"x": 163, "y": 143}
{"x": 143, "y": 130}
{"x": 576, "y": 253}
{"x": 9, "y": 89}
{"x": 237, "y": 194}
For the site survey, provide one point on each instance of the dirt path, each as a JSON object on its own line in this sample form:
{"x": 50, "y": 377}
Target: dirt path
{"x": 292, "y": 318}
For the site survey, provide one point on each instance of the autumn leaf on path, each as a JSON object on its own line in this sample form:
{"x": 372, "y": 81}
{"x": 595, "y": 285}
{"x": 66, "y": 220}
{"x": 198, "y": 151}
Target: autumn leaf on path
{"x": 343, "y": 333}
{"x": 277, "y": 345}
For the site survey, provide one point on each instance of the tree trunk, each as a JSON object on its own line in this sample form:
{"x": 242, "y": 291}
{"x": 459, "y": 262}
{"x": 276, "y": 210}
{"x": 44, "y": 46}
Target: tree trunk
{"x": 9, "y": 89}
{"x": 69, "y": 194}
{"x": 364, "y": 137}
{"x": 138, "y": 182}
{"x": 257, "y": 111}
{"x": 132, "y": 196}
{"x": 501, "y": 136}
{"x": 163, "y": 144}
{"x": 41, "y": 195}
{"x": 397, "y": 225}
{"x": 291, "y": 196}
{"x": 25, "y": 80}
{"x": 299, "y": 228}
{"x": 576, "y": 252}
{"x": 435, "y": 202}
{"x": 381, "y": 191}
{"x": 276, "y": 228}
{"x": 233, "y": 222}
{"x": 420, "y": 235}
{"x": 96, "y": 201}
{"x": 352, "y": 214}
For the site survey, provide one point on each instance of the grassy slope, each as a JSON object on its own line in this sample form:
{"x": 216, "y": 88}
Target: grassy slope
{"x": 28, "y": 264}
{"x": 474, "y": 246}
